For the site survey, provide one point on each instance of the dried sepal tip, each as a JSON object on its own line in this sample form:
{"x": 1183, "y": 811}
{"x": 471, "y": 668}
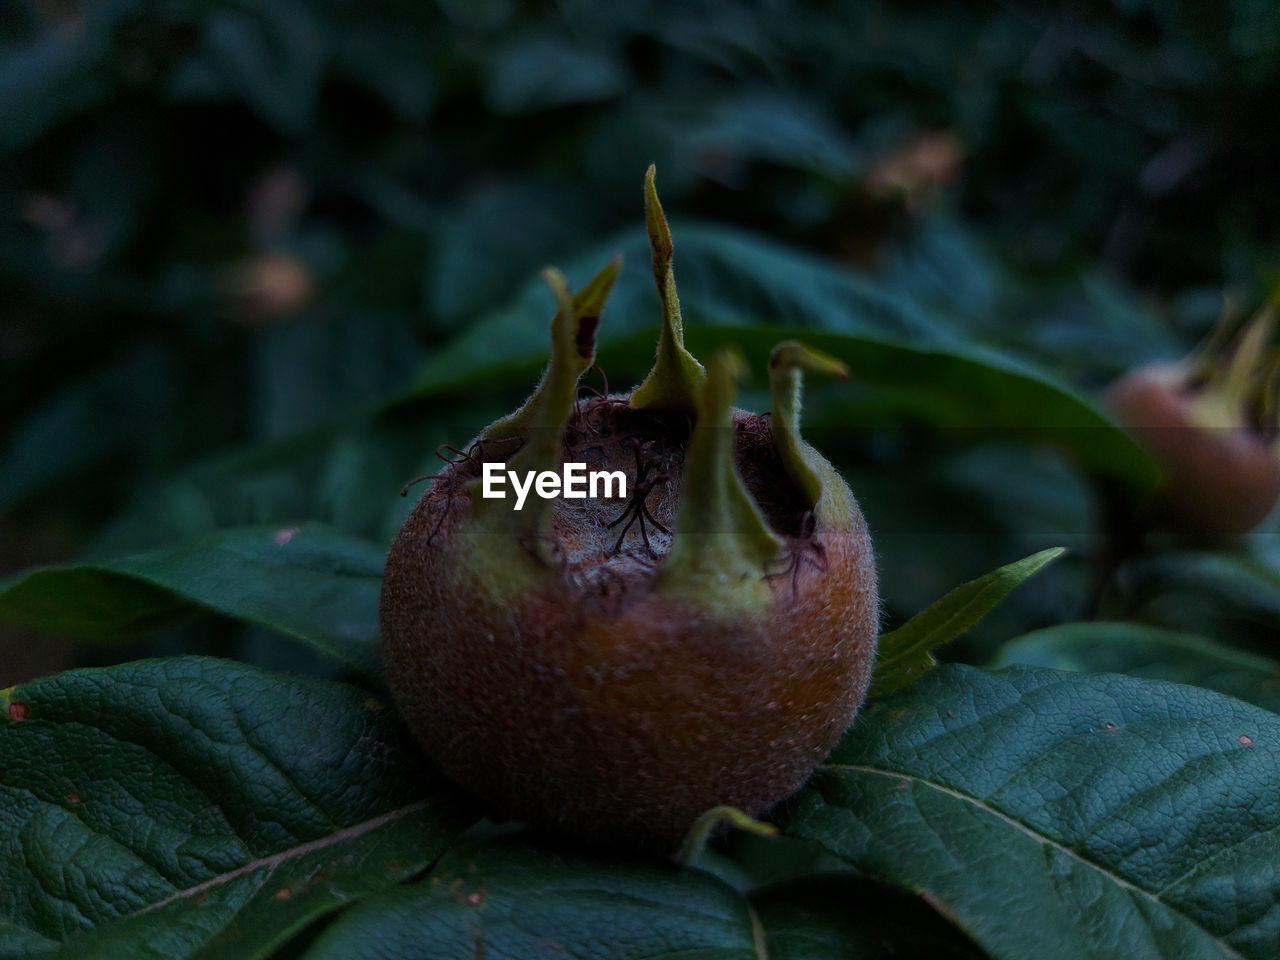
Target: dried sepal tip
{"x": 573, "y": 347}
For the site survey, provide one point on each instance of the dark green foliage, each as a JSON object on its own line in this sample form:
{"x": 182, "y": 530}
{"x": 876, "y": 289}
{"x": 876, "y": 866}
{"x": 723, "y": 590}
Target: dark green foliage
{"x": 1085, "y": 816}
{"x": 170, "y": 802}
{"x": 257, "y": 260}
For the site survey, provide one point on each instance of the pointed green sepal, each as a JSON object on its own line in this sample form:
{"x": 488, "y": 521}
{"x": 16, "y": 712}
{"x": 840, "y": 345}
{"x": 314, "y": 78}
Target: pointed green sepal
{"x": 579, "y": 325}
{"x": 787, "y": 365}
{"x": 722, "y": 546}
{"x": 541, "y": 422}
{"x": 676, "y": 377}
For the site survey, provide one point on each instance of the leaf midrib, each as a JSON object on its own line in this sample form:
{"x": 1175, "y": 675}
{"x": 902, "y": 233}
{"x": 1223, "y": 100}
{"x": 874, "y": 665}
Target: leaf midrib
{"x": 758, "y": 938}
{"x": 1035, "y": 835}
{"x": 272, "y": 862}
{"x": 924, "y": 644}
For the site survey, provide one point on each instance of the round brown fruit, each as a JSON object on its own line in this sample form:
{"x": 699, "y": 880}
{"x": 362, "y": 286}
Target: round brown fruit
{"x": 611, "y": 668}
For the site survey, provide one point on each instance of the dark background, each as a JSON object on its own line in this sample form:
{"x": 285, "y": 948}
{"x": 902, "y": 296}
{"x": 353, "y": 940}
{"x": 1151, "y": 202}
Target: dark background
{"x": 233, "y": 234}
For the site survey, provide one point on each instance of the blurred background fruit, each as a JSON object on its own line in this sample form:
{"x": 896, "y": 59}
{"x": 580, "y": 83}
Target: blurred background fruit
{"x": 247, "y": 253}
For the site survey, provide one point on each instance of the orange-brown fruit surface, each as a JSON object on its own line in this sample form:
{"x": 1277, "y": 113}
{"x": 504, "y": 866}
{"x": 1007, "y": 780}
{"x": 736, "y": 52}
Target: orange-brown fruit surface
{"x": 612, "y": 667}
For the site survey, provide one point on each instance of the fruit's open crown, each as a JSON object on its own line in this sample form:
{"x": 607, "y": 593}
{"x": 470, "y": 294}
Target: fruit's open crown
{"x": 720, "y": 538}
{"x": 613, "y": 665}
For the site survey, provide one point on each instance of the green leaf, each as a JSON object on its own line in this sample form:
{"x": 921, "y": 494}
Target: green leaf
{"x": 1197, "y": 590}
{"x": 726, "y": 278}
{"x": 542, "y": 72}
{"x": 511, "y": 899}
{"x": 497, "y": 235}
{"x": 850, "y": 918}
{"x": 1058, "y": 815}
{"x": 756, "y": 127}
{"x": 381, "y": 55}
{"x": 194, "y": 807}
{"x": 353, "y": 356}
{"x": 50, "y": 79}
{"x": 750, "y": 863}
{"x": 114, "y": 416}
{"x": 735, "y": 289}
{"x": 271, "y": 58}
{"x": 904, "y": 654}
{"x": 308, "y": 583}
{"x": 968, "y": 392}
{"x": 1144, "y": 651}
{"x": 348, "y": 479}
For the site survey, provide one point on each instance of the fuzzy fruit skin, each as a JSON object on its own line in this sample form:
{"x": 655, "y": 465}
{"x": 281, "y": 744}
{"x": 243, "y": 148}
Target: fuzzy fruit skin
{"x": 622, "y": 725}
{"x": 1218, "y": 483}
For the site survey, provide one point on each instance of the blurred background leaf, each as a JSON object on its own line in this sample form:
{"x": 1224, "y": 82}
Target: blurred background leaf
{"x": 257, "y": 262}
{"x": 1143, "y": 651}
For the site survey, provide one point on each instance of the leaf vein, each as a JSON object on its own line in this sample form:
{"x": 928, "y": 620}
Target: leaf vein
{"x": 1210, "y": 860}
{"x": 1034, "y": 835}
{"x": 291, "y": 853}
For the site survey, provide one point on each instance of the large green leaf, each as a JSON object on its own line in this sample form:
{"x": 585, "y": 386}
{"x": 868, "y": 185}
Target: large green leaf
{"x": 306, "y": 582}
{"x": 50, "y": 79}
{"x": 738, "y": 289}
{"x": 534, "y": 73}
{"x": 199, "y": 808}
{"x": 758, "y": 127}
{"x": 1059, "y": 815}
{"x": 968, "y": 393}
{"x": 512, "y": 898}
{"x": 726, "y": 277}
{"x": 849, "y": 918}
{"x": 497, "y": 236}
{"x": 348, "y": 479}
{"x": 1144, "y": 651}
{"x": 271, "y": 58}
{"x": 1215, "y": 593}
{"x": 107, "y": 419}
{"x": 906, "y": 654}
